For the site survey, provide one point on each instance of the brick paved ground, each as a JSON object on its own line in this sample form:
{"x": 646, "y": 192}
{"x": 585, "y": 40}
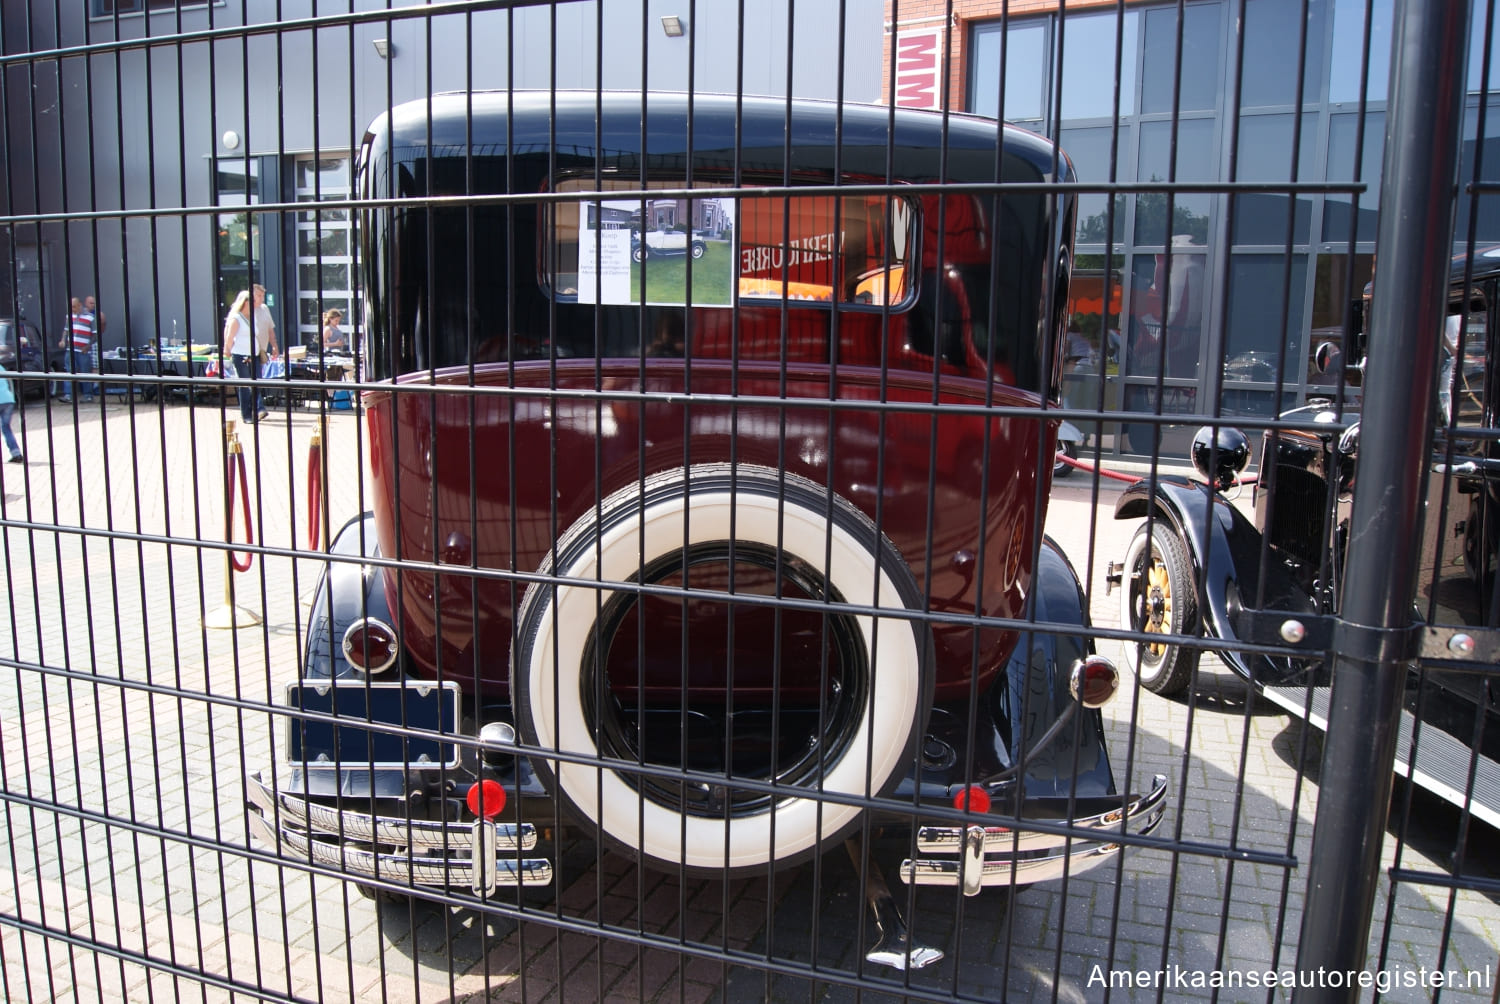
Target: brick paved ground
{"x": 129, "y": 727}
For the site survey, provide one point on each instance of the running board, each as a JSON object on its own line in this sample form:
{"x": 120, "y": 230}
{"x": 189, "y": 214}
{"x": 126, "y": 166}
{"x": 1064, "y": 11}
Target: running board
{"x": 1442, "y": 761}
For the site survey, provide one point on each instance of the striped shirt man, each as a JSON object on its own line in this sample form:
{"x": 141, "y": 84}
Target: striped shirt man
{"x": 81, "y": 329}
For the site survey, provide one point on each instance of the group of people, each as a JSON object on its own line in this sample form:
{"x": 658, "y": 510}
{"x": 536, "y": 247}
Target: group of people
{"x": 81, "y": 330}
{"x": 250, "y": 340}
{"x": 81, "y": 333}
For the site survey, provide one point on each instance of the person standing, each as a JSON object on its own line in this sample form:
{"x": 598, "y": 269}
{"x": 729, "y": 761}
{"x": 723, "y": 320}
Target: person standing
{"x": 8, "y": 405}
{"x": 246, "y": 334}
{"x": 91, "y": 306}
{"x": 333, "y": 335}
{"x": 78, "y": 342}
{"x": 265, "y": 339}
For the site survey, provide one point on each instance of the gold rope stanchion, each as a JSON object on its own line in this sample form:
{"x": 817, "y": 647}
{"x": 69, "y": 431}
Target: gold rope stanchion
{"x": 231, "y": 615}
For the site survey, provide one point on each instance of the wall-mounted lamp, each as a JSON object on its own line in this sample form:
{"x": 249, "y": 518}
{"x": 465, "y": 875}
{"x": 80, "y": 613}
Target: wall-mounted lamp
{"x": 672, "y": 25}
{"x": 231, "y": 139}
{"x": 384, "y": 48}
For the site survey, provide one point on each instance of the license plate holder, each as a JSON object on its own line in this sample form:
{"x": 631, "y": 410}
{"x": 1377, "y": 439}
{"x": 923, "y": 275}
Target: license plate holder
{"x": 424, "y": 708}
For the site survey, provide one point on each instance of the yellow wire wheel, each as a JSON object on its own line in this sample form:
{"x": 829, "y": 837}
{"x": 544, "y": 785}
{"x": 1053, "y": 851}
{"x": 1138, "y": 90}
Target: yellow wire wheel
{"x": 1158, "y": 599}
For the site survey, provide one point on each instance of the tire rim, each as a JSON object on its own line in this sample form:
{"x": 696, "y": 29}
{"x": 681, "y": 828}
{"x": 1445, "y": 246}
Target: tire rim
{"x": 1157, "y": 603}
{"x": 844, "y": 689}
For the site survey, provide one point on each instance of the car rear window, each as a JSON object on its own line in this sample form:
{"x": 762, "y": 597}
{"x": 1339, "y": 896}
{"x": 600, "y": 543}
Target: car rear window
{"x": 677, "y": 249}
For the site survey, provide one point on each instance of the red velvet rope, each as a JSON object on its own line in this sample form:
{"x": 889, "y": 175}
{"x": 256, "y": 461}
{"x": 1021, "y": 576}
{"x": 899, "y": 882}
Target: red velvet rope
{"x": 1063, "y": 458}
{"x": 229, "y": 511}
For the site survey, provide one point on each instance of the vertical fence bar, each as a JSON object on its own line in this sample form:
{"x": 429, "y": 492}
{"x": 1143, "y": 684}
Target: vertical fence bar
{"x": 1410, "y": 294}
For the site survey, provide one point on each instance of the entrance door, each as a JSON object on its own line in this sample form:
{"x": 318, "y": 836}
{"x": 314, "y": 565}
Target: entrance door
{"x": 325, "y": 247}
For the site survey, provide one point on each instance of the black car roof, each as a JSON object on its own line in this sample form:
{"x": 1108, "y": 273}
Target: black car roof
{"x": 751, "y": 134}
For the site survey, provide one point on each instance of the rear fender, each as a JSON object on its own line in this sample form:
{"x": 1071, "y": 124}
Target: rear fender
{"x": 1037, "y": 688}
{"x": 347, "y": 591}
{"x": 1224, "y": 547}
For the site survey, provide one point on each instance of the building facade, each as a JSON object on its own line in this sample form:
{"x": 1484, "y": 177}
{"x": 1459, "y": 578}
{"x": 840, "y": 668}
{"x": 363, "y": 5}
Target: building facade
{"x": 1184, "y": 290}
{"x": 163, "y": 154}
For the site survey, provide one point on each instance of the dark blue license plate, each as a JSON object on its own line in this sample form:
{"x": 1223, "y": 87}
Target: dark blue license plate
{"x": 423, "y": 714}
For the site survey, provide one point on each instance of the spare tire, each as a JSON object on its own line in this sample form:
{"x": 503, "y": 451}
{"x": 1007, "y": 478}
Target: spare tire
{"x": 870, "y": 677}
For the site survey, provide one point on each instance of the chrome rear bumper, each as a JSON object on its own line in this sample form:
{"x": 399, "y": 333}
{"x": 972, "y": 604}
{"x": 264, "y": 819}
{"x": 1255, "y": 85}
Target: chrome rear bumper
{"x": 975, "y": 857}
{"x": 429, "y": 852}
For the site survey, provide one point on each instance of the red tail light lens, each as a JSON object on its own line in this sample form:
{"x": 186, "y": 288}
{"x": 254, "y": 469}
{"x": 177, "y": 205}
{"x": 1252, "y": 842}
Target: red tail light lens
{"x": 370, "y": 646}
{"x": 486, "y": 799}
{"x": 1094, "y": 681}
{"x": 973, "y": 798}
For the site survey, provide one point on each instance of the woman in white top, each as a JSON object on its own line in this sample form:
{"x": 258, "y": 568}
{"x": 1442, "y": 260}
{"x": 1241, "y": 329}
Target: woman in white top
{"x": 242, "y": 339}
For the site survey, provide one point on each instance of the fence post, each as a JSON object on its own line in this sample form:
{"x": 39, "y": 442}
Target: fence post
{"x": 1424, "y": 116}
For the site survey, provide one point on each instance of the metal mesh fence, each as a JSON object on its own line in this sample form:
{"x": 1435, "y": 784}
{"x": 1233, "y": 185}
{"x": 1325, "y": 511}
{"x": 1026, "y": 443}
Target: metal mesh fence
{"x": 582, "y": 501}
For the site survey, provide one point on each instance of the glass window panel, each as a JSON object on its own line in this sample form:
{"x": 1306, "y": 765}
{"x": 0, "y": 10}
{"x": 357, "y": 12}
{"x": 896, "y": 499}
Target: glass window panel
{"x": 310, "y": 314}
{"x": 1487, "y": 226}
{"x": 1168, "y": 300}
{"x": 1265, "y": 318}
{"x": 312, "y": 277}
{"x": 1349, "y": 47}
{"x": 1272, "y": 36}
{"x": 324, "y": 216}
{"x": 1197, "y": 160}
{"x": 1200, "y": 85}
{"x": 1341, "y": 148}
{"x": 1476, "y": 50}
{"x": 1088, "y": 84}
{"x": 329, "y": 173}
{"x": 230, "y": 179}
{"x": 239, "y": 238}
{"x": 1089, "y": 150}
{"x": 1265, "y": 147}
{"x": 1142, "y": 357}
{"x": 329, "y": 243}
{"x": 1095, "y": 294}
{"x": 1265, "y": 154}
{"x": 1025, "y": 71}
{"x": 1261, "y": 218}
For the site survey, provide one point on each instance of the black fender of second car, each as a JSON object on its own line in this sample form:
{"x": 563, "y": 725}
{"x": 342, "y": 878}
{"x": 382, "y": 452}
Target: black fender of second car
{"x": 1038, "y": 751}
{"x": 1037, "y": 693}
{"x": 1224, "y": 548}
{"x": 348, "y": 590}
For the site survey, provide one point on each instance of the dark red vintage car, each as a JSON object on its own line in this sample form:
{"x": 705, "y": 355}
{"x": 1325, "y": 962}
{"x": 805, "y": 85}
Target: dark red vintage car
{"x": 714, "y": 556}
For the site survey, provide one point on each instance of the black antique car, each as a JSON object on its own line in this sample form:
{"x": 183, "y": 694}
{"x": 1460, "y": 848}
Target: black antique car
{"x": 652, "y": 556}
{"x": 1199, "y": 567}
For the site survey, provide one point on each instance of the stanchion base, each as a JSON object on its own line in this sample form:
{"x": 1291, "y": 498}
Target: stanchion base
{"x": 229, "y": 617}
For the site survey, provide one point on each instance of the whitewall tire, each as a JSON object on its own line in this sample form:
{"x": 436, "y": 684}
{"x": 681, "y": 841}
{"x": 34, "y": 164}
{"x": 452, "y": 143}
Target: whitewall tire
{"x": 871, "y": 724}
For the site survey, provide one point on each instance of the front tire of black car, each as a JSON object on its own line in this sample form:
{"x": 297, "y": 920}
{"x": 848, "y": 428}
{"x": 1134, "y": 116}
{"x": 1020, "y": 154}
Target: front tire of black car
{"x": 1158, "y": 597}
{"x": 726, "y": 516}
